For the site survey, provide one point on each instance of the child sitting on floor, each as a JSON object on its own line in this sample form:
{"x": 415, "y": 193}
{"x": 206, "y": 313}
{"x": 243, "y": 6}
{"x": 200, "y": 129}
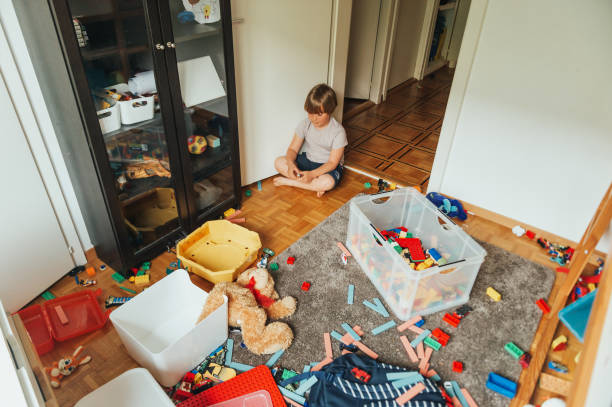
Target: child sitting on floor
{"x": 315, "y": 157}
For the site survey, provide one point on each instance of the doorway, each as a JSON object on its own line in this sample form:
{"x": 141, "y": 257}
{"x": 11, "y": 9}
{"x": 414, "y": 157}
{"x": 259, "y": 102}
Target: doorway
{"x": 397, "y": 138}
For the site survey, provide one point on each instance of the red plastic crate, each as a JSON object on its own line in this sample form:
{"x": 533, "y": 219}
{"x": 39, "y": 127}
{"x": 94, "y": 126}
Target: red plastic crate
{"x": 83, "y": 312}
{"x": 38, "y": 330}
{"x": 259, "y": 378}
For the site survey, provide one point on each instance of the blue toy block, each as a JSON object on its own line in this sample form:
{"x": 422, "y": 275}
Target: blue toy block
{"x": 420, "y": 323}
{"x": 436, "y": 378}
{"x": 350, "y": 330}
{"x": 306, "y": 369}
{"x": 240, "y": 366}
{"x": 501, "y": 385}
{"x": 557, "y": 367}
{"x": 350, "y": 295}
{"x": 381, "y": 308}
{"x": 576, "y": 315}
{"x": 274, "y": 358}
{"x": 448, "y": 386}
{"x": 229, "y": 351}
{"x": 259, "y": 185}
{"x": 383, "y": 327}
{"x": 420, "y": 338}
{"x": 336, "y": 336}
{"x": 306, "y": 385}
{"x": 402, "y": 375}
{"x": 293, "y": 396}
{"x": 459, "y": 394}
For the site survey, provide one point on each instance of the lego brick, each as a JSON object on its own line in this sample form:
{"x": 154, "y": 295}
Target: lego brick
{"x": 403, "y": 375}
{"x": 118, "y": 277}
{"x": 229, "y": 351}
{"x": 432, "y": 343}
{"x": 381, "y": 308}
{"x": 409, "y": 323}
{"x": 144, "y": 279}
{"x": 291, "y": 395}
{"x": 543, "y": 305}
{"x": 351, "y": 294}
{"x": 457, "y": 366}
{"x": 376, "y": 308}
{"x": 351, "y": 331}
{"x": 90, "y": 271}
{"x": 306, "y": 385}
{"x": 409, "y": 349}
{"x": 48, "y": 295}
{"x": 321, "y": 364}
{"x": 451, "y": 320}
{"x": 129, "y": 290}
{"x": 501, "y": 385}
{"x": 420, "y": 323}
{"x": 305, "y": 286}
{"x": 495, "y": 296}
{"x": 416, "y": 341}
{"x": 513, "y": 350}
{"x": 561, "y": 339}
{"x": 274, "y": 358}
{"x": 416, "y": 329}
{"x": 410, "y": 394}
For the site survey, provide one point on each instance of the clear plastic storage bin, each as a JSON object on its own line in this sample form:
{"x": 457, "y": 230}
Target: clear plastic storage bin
{"x": 158, "y": 327}
{"x": 410, "y": 292}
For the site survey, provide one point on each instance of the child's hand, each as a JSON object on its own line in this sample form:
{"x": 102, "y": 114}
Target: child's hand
{"x": 306, "y": 177}
{"x": 292, "y": 171}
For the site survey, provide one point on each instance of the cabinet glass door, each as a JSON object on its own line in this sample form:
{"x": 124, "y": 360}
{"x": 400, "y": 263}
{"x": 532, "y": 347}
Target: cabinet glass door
{"x": 207, "y": 130}
{"x": 116, "y": 53}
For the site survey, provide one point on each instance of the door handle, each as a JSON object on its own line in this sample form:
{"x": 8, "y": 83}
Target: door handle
{"x": 237, "y": 20}
{"x": 170, "y": 44}
{"x": 159, "y": 47}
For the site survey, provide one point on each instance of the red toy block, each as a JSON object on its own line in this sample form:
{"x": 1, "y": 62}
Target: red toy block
{"x": 543, "y": 305}
{"x": 562, "y": 270}
{"x": 441, "y": 336}
{"x": 560, "y": 347}
{"x": 305, "y": 286}
{"x": 414, "y": 246}
{"x": 524, "y": 360}
{"x": 530, "y": 234}
{"x": 361, "y": 375}
{"x": 290, "y": 260}
{"x": 457, "y": 367}
{"x": 451, "y": 320}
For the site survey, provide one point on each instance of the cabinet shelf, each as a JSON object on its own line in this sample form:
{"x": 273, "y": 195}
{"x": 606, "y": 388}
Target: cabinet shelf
{"x": 184, "y": 33}
{"x": 157, "y": 119}
{"x": 110, "y": 51}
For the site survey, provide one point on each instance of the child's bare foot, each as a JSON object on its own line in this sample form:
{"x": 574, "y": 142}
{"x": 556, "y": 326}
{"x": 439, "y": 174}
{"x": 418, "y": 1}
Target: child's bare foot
{"x": 279, "y": 181}
{"x": 320, "y": 194}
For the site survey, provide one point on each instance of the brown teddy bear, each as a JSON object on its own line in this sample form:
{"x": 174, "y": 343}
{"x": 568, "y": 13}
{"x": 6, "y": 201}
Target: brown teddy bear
{"x": 252, "y": 299}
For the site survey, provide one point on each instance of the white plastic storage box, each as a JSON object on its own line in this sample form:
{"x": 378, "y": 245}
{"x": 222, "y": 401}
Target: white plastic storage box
{"x": 158, "y": 327}
{"x": 109, "y": 119}
{"x": 136, "y": 110}
{"x": 410, "y": 292}
{"x": 136, "y": 387}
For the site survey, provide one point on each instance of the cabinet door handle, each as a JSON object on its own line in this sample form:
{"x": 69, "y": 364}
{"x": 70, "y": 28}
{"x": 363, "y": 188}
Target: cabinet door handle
{"x": 170, "y": 44}
{"x": 237, "y": 20}
{"x": 159, "y": 47}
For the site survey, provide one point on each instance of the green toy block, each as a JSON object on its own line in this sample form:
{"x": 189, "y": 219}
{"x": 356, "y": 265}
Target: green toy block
{"x": 141, "y": 272}
{"x": 248, "y": 192}
{"x": 129, "y": 290}
{"x": 273, "y": 266}
{"x": 47, "y": 295}
{"x": 432, "y": 343}
{"x": 513, "y": 350}
{"x": 269, "y": 252}
{"x": 367, "y": 185}
{"x": 146, "y": 264}
{"x": 408, "y": 235}
{"x": 398, "y": 249}
{"x": 118, "y": 277}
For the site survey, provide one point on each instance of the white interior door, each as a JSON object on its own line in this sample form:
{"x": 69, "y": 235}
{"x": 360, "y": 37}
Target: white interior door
{"x": 281, "y": 50}
{"x": 362, "y": 45}
{"x": 33, "y": 249}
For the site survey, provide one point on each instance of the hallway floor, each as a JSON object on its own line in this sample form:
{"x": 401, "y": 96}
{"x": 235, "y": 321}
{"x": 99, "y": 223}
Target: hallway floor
{"x": 397, "y": 139}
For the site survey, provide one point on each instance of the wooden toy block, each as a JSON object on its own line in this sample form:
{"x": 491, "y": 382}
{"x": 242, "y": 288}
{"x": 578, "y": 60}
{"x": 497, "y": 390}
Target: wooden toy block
{"x": 495, "y": 296}
{"x": 144, "y": 279}
{"x": 61, "y": 314}
{"x": 410, "y": 394}
{"x": 351, "y": 294}
{"x": 555, "y": 384}
{"x": 366, "y": 350}
{"x": 383, "y": 327}
{"x": 409, "y": 323}
{"x": 420, "y": 350}
{"x": 409, "y": 349}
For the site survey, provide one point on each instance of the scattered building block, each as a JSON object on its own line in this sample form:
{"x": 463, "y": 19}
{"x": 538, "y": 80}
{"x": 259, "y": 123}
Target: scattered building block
{"x": 351, "y": 331}
{"x": 144, "y": 279}
{"x": 90, "y": 271}
{"x": 423, "y": 368}
{"x": 457, "y": 366}
{"x": 321, "y": 364}
{"x": 328, "y": 346}
{"x": 451, "y": 320}
{"x": 240, "y": 366}
{"x": 118, "y": 277}
{"x": 557, "y": 367}
{"x": 336, "y": 336}
{"x": 292, "y": 396}
{"x": 61, "y": 314}
{"x": 416, "y": 329}
{"x": 48, "y": 295}
{"x": 420, "y": 323}
{"x": 274, "y": 358}
{"x": 129, "y": 290}
{"x": 501, "y": 385}
{"x": 409, "y": 323}
{"x": 366, "y": 350}
{"x": 524, "y": 360}
{"x": 514, "y": 350}
{"x": 410, "y": 394}
{"x": 229, "y": 350}
{"x": 382, "y": 328}
{"x": 305, "y": 286}
{"x": 416, "y": 341}
{"x": 306, "y": 385}
{"x": 468, "y": 398}
{"x": 559, "y": 340}
{"x": 432, "y": 343}
{"x": 381, "y": 308}
{"x": 409, "y": 349}
{"x": 290, "y": 260}
{"x": 495, "y": 296}
{"x": 237, "y": 220}
{"x": 420, "y": 350}
{"x": 441, "y": 336}
{"x": 543, "y": 305}
{"x": 344, "y": 249}
{"x": 459, "y": 394}
{"x": 351, "y": 294}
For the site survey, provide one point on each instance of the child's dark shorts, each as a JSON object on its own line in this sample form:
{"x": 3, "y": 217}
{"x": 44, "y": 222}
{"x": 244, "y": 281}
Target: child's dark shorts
{"x": 304, "y": 164}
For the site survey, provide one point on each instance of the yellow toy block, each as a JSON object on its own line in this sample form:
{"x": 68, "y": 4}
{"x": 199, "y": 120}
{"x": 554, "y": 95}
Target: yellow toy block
{"x": 425, "y": 264}
{"x": 144, "y": 279}
{"x": 558, "y": 341}
{"x": 495, "y": 296}
{"x": 591, "y": 286}
{"x": 132, "y": 279}
{"x": 229, "y": 212}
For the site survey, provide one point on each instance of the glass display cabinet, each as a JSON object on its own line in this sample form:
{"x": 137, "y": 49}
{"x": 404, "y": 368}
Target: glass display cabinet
{"x": 154, "y": 86}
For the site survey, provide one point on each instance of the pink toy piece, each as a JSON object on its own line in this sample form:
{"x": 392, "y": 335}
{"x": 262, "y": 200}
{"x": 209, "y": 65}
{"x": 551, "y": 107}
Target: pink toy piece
{"x": 409, "y": 349}
{"x": 409, "y": 323}
{"x": 410, "y": 394}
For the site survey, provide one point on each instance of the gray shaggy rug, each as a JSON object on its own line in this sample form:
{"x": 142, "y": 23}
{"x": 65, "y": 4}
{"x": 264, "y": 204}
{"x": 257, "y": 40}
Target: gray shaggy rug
{"x": 478, "y": 341}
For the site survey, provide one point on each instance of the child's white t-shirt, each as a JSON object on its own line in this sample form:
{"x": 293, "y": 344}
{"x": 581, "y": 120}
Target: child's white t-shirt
{"x": 318, "y": 143}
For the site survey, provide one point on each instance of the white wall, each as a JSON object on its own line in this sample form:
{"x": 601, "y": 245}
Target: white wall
{"x": 533, "y": 137}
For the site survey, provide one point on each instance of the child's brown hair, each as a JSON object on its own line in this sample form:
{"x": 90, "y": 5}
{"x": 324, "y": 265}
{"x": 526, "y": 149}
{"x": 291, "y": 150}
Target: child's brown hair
{"x": 321, "y": 99}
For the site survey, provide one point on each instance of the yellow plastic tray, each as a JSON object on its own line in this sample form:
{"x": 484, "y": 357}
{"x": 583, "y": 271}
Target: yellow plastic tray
{"x": 218, "y": 250}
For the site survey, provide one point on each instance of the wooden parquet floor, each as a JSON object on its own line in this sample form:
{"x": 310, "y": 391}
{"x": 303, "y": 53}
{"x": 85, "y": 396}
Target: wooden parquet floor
{"x": 397, "y": 139}
{"x": 280, "y": 215}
